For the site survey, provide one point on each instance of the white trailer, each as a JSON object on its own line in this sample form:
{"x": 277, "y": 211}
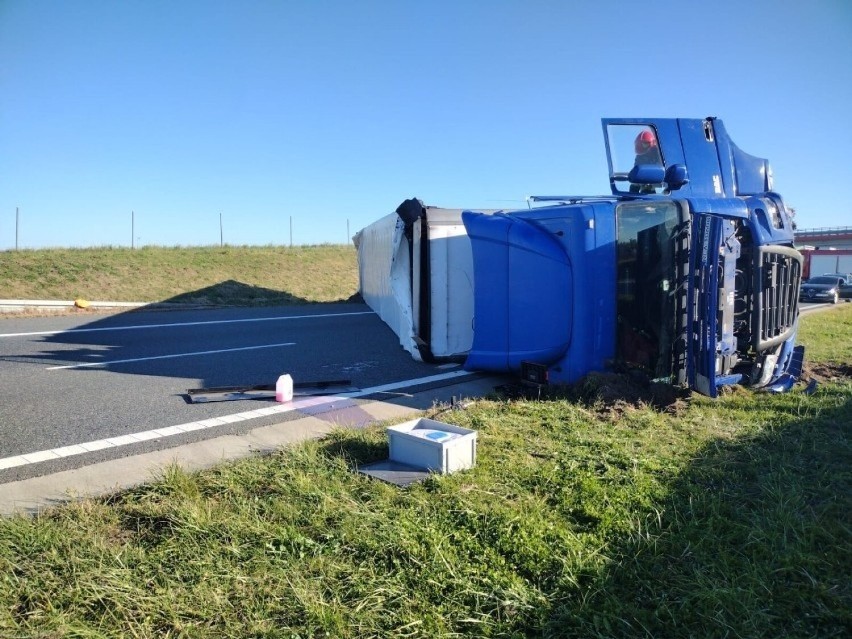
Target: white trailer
{"x": 416, "y": 273}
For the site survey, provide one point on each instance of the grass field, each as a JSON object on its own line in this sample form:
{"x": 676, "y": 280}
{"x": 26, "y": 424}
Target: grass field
{"x": 237, "y": 275}
{"x": 584, "y": 517}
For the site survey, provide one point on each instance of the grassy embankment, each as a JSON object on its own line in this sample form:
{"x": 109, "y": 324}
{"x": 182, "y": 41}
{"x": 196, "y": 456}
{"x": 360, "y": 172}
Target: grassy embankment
{"x": 237, "y": 275}
{"x": 703, "y": 518}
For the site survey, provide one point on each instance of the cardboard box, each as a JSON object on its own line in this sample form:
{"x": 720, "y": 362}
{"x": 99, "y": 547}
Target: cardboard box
{"x": 432, "y": 445}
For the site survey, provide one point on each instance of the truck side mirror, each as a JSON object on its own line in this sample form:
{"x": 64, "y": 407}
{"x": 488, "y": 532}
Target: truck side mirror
{"x": 676, "y": 176}
{"x": 646, "y": 174}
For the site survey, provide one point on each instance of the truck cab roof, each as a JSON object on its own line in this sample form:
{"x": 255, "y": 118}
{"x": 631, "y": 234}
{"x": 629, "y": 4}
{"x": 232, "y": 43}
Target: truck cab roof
{"x": 687, "y": 157}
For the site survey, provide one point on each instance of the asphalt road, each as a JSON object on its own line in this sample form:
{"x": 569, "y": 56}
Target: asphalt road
{"x": 100, "y": 388}
{"x": 809, "y": 307}
{"x": 66, "y": 381}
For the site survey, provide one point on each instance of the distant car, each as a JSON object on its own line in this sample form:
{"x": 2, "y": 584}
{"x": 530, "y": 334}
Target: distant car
{"x": 824, "y": 288}
{"x": 847, "y": 277}
{"x": 846, "y": 288}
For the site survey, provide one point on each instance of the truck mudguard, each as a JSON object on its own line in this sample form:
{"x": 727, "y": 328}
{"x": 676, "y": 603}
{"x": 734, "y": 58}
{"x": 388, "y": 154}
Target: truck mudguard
{"x": 523, "y": 283}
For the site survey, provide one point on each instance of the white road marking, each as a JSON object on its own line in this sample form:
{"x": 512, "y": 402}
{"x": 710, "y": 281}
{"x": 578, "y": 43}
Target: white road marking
{"x": 170, "y": 431}
{"x": 182, "y": 324}
{"x": 145, "y": 359}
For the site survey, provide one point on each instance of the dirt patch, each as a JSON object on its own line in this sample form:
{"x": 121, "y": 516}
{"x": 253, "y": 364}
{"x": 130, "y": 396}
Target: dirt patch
{"x": 826, "y": 372}
{"x": 613, "y": 394}
{"x": 610, "y": 394}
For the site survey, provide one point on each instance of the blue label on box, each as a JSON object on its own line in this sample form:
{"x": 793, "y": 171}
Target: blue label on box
{"x": 438, "y": 436}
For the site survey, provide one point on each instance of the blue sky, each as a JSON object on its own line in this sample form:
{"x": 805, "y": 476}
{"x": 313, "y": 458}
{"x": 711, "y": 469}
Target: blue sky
{"x": 329, "y": 111}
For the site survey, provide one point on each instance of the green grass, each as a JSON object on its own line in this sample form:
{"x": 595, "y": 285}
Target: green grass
{"x": 238, "y": 275}
{"x": 725, "y": 518}
{"x": 828, "y": 336}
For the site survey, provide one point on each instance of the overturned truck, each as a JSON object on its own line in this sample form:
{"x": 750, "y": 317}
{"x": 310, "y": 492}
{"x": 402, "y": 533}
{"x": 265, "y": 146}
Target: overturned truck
{"x": 686, "y": 271}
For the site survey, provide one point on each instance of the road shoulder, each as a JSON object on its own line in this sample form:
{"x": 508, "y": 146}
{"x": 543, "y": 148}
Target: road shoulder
{"x": 31, "y": 496}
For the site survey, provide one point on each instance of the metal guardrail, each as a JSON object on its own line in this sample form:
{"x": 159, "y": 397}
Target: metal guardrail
{"x": 825, "y": 230}
{"x": 61, "y": 305}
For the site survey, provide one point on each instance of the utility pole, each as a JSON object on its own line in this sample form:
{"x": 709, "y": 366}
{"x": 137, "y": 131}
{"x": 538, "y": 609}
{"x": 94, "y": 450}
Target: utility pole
{"x": 347, "y": 231}
{"x": 291, "y": 231}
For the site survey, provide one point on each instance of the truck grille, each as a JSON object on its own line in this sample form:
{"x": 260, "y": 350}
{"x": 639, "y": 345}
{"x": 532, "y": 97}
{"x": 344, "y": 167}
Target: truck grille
{"x": 779, "y": 277}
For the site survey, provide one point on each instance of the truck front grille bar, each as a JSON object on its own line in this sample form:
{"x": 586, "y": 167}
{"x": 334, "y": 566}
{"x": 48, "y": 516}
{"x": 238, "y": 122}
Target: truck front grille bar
{"x": 777, "y": 280}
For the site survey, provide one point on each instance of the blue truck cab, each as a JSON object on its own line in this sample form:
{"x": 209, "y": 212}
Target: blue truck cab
{"x": 686, "y": 271}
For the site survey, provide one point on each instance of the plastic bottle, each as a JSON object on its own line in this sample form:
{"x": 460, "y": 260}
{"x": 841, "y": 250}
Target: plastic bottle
{"x": 284, "y": 389}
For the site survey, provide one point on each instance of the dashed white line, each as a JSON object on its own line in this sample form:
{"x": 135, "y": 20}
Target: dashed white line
{"x": 170, "y": 431}
{"x": 139, "y": 327}
{"x": 145, "y": 359}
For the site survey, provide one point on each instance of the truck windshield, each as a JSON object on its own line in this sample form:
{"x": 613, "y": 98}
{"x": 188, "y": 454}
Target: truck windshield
{"x": 647, "y": 276}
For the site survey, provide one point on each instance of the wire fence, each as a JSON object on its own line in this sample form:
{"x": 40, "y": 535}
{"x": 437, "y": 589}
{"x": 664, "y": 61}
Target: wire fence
{"x": 45, "y": 231}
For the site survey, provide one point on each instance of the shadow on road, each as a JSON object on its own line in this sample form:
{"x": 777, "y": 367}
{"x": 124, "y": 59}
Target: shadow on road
{"x": 233, "y": 293}
{"x": 227, "y": 334}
